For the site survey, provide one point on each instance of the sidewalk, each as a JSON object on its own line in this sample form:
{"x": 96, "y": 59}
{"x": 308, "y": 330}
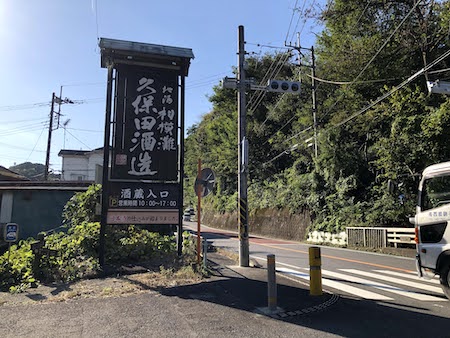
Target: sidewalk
{"x": 232, "y": 302}
{"x": 246, "y": 289}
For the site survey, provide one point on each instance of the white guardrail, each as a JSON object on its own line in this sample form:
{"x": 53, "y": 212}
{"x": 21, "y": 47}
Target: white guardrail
{"x": 380, "y": 237}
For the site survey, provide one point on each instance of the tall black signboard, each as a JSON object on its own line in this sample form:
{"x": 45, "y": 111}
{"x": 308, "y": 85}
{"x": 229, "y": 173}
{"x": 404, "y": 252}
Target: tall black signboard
{"x": 142, "y": 182}
{"x": 146, "y": 125}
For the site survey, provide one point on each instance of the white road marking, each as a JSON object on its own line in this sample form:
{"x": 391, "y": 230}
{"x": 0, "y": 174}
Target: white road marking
{"x": 404, "y": 275}
{"x": 359, "y": 292}
{"x": 402, "y": 282}
{"x": 339, "y": 286}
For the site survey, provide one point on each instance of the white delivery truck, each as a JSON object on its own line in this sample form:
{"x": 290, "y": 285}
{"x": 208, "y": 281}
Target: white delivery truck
{"x": 432, "y": 227}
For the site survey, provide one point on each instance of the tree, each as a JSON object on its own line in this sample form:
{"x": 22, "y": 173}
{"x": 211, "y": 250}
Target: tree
{"x": 365, "y": 50}
{"x": 33, "y": 171}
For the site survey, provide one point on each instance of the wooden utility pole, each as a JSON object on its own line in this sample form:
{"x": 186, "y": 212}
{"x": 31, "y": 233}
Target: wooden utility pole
{"x": 49, "y": 140}
{"x": 244, "y": 250}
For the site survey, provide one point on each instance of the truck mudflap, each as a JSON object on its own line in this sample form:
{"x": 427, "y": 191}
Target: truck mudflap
{"x": 419, "y": 266}
{"x": 423, "y": 272}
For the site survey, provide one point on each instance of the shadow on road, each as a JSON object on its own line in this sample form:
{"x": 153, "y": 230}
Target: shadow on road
{"x": 343, "y": 316}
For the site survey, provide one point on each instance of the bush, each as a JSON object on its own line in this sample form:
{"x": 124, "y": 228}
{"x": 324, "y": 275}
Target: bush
{"x": 73, "y": 255}
{"x": 76, "y": 256}
{"x": 132, "y": 244}
{"x": 16, "y": 272}
{"x": 81, "y": 207}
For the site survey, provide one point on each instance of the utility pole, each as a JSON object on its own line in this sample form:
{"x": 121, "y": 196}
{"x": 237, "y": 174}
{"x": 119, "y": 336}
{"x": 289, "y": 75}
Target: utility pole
{"x": 49, "y": 140}
{"x": 242, "y": 85}
{"x": 313, "y": 86}
{"x": 244, "y": 251}
{"x": 314, "y": 104}
{"x": 60, "y": 101}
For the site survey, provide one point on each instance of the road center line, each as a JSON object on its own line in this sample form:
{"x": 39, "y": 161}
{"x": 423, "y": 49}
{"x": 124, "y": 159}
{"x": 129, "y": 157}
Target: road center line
{"x": 339, "y": 258}
{"x": 223, "y": 233}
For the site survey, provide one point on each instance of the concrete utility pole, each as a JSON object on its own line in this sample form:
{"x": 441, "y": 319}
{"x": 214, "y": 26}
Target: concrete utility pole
{"x": 313, "y": 86}
{"x": 244, "y": 251}
{"x": 60, "y": 101}
{"x": 49, "y": 140}
{"x": 314, "y": 104}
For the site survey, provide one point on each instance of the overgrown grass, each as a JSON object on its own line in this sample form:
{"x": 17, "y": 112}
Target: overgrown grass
{"x": 76, "y": 254}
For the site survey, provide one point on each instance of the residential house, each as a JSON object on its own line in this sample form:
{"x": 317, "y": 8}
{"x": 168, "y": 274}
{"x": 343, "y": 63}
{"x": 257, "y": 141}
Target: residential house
{"x": 81, "y": 165}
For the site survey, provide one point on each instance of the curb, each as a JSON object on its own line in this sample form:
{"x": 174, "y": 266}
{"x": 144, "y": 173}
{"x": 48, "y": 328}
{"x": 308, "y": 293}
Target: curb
{"x": 316, "y": 308}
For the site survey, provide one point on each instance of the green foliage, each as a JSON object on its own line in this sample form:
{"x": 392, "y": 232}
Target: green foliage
{"x": 360, "y": 149}
{"x": 81, "y": 207}
{"x": 132, "y": 244}
{"x": 33, "y": 171}
{"x": 189, "y": 247}
{"x": 30, "y": 170}
{"x": 75, "y": 254}
{"x": 16, "y": 272}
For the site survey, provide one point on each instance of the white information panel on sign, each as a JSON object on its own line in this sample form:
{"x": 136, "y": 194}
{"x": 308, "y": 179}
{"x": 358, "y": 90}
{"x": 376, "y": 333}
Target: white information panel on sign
{"x": 143, "y": 217}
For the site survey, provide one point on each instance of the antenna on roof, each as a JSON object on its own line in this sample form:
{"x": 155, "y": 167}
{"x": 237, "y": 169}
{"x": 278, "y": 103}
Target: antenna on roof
{"x": 65, "y": 123}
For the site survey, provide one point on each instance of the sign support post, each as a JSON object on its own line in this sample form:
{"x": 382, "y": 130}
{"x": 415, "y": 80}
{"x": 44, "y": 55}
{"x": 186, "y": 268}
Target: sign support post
{"x": 109, "y": 88}
{"x": 198, "y": 190}
{"x": 181, "y": 171}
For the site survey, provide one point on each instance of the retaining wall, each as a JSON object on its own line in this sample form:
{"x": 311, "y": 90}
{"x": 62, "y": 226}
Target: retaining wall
{"x": 274, "y": 223}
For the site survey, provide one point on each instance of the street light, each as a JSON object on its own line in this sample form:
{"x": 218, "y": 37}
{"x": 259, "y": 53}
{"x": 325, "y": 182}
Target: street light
{"x": 438, "y": 87}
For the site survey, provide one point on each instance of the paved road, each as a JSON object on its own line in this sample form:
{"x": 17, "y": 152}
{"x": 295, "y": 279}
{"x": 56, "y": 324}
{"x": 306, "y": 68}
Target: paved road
{"x": 384, "y": 280}
{"x": 378, "y": 297}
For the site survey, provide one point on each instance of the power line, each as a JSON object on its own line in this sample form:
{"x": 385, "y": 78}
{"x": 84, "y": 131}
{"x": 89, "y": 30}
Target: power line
{"x": 292, "y": 18}
{"x": 275, "y": 107}
{"x": 47, "y": 104}
{"x": 304, "y": 20}
{"x": 22, "y": 129}
{"x": 350, "y": 82}
{"x": 35, "y": 145}
{"x": 87, "y": 130}
{"x": 21, "y": 148}
{"x": 374, "y": 56}
{"x": 21, "y": 121}
{"x": 25, "y": 106}
{"x": 269, "y": 75}
{"x": 393, "y": 90}
{"x": 301, "y": 132}
{"x": 266, "y": 46}
{"x": 378, "y": 100}
{"x": 76, "y": 138}
{"x": 439, "y": 71}
{"x": 265, "y": 78}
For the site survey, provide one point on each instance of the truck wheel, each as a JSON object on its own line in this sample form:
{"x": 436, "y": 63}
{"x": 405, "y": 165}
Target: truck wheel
{"x": 445, "y": 279}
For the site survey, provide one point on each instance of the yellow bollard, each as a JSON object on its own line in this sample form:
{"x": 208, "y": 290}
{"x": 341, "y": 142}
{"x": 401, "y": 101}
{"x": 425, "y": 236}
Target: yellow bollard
{"x": 315, "y": 272}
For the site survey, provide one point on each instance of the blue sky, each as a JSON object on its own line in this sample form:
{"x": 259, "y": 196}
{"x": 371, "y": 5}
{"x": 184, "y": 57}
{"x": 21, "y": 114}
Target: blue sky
{"x": 47, "y": 44}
